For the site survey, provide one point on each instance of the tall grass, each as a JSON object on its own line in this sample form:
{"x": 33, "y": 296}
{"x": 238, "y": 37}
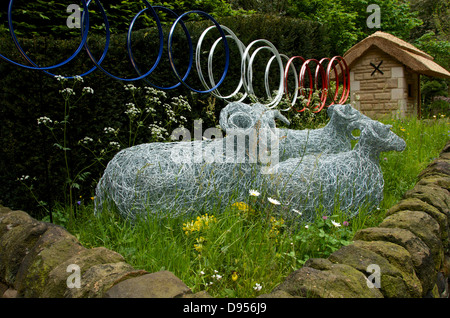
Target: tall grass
{"x": 248, "y": 249}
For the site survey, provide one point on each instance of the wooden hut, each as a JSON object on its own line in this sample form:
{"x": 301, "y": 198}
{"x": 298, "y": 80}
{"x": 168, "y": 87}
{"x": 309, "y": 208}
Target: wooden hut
{"x": 385, "y": 75}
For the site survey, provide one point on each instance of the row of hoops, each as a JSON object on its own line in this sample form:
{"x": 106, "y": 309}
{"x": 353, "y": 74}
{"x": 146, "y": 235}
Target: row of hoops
{"x": 247, "y": 60}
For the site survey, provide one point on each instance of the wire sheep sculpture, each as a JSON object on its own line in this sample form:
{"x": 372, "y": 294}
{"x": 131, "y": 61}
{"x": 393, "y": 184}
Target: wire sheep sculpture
{"x": 348, "y": 180}
{"x": 178, "y": 178}
{"x": 182, "y": 177}
{"x": 335, "y": 137}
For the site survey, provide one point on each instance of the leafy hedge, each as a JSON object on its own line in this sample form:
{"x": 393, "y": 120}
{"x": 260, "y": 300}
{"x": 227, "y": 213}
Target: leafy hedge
{"x": 29, "y": 149}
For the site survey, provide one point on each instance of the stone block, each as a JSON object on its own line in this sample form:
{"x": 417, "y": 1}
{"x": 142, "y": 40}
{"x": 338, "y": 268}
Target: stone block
{"x": 98, "y": 279}
{"x": 414, "y": 204}
{"x": 397, "y": 93}
{"x": 57, "y": 279}
{"x": 355, "y": 86}
{"x": 380, "y": 96}
{"x": 393, "y": 282}
{"x": 397, "y": 72}
{"x": 163, "y": 284}
{"x": 338, "y": 281}
{"x": 54, "y": 247}
{"x": 20, "y": 234}
{"x": 423, "y": 226}
{"x": 439, "y": 167}
{"x": 420, "y": 253}
{"x": 433, "y": 195}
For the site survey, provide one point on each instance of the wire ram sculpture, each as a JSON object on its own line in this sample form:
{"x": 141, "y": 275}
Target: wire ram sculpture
{"x": 320, "y": 171}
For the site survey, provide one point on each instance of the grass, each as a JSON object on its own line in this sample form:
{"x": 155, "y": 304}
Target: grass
{"x": 246, "y": 251}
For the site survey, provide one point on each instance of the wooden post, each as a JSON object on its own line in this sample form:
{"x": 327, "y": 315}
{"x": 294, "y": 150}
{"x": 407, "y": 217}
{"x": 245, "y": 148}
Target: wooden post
{"x": 419, "y": 98}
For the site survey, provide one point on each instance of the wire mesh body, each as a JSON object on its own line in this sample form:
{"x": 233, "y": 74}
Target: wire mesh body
{"x": 335, "y": 137}
{"x": 180, "y": 178}
{"x": 144, "y": 179}
{"x": 348, "y": 180}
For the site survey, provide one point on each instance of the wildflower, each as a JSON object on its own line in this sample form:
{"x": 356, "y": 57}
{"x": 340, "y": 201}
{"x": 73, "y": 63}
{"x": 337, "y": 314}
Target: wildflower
{"x": 217, "y": 276}
{"x": 234, "y": 276}
{"x": 402, "y": 129}
{"x": 324, "y": 217}
{"x": 336, "y": 224}
{"x": 158, "y": 131}
{"x": 129, "y": 87}
{"x": 345, "y": 223}
{"x": 242, "y": 206}
{"x": 273, "y": 201}
{"x": 254, "y": 193}
{"x": 92, "y": 198}
{"x": 306, "y": 226}
{"x": 115, "y": 145}
{"x": 78, "y": 78}
{"x": 257, "y": 287}
{"x": 67, "y": 91}
{"x": 276, "y": 226}
{"x": 132, "y": 111}
{"x": 297, "y": 211}
{"x": 23, "y": 178}
{"x": 109, "y": 130}
{"x": 198, "y": 247}
{"x": 86, "y": 140}
{"x": 60, "y": 78}
{"x": 88, "y": 90}
{"x": 44, "y": 120}
{"x": 79, "y": 202}
{"x": 202, "y": 273}
{"x": 202, "y": 223}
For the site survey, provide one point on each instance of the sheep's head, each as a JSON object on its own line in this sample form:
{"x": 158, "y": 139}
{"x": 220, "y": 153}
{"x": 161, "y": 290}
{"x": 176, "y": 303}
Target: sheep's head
{"x": 379, "y": 137}
{"x": 243, "y": 116}
{"x": 344, "y": 113}
{"x": 343, "y": 118}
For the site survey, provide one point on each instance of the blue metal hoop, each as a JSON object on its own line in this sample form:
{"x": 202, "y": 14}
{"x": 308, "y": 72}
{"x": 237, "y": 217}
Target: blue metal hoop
{"x": 130, "y": 53}
{"x": 227, "y": 51}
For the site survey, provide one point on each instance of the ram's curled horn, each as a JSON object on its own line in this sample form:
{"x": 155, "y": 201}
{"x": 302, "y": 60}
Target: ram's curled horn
{"x": 228, "y": 111}
{"x": 276, "y": 114}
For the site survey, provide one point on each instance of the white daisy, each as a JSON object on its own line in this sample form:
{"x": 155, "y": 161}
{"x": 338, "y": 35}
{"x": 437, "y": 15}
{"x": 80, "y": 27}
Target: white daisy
{"x": 336, "y": 224}
{"x": 273, "y": 201}
{"x": 254, "y": 193}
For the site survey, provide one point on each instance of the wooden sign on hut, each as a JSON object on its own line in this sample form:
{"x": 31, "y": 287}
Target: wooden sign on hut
{"x": 385, "y": 75}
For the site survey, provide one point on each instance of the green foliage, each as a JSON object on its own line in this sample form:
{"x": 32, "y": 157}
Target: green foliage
{"x": 346, "y": 19}
{"x": 49, "y": 17}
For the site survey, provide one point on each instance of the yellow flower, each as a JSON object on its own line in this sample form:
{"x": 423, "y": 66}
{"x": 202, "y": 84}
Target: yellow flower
{"x": 244, "y": 207}
{"x": 201, "y": 223}
{"x": 276, "y": 226}
{"x": 234, "y": 276}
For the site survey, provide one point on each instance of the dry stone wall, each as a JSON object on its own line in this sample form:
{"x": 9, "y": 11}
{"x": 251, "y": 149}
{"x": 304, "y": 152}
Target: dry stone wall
{"x": 407, "y": 255}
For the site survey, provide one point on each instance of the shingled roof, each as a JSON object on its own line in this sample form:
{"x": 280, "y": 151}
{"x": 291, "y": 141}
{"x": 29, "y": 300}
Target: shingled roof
{"x": 404, "y": 52}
